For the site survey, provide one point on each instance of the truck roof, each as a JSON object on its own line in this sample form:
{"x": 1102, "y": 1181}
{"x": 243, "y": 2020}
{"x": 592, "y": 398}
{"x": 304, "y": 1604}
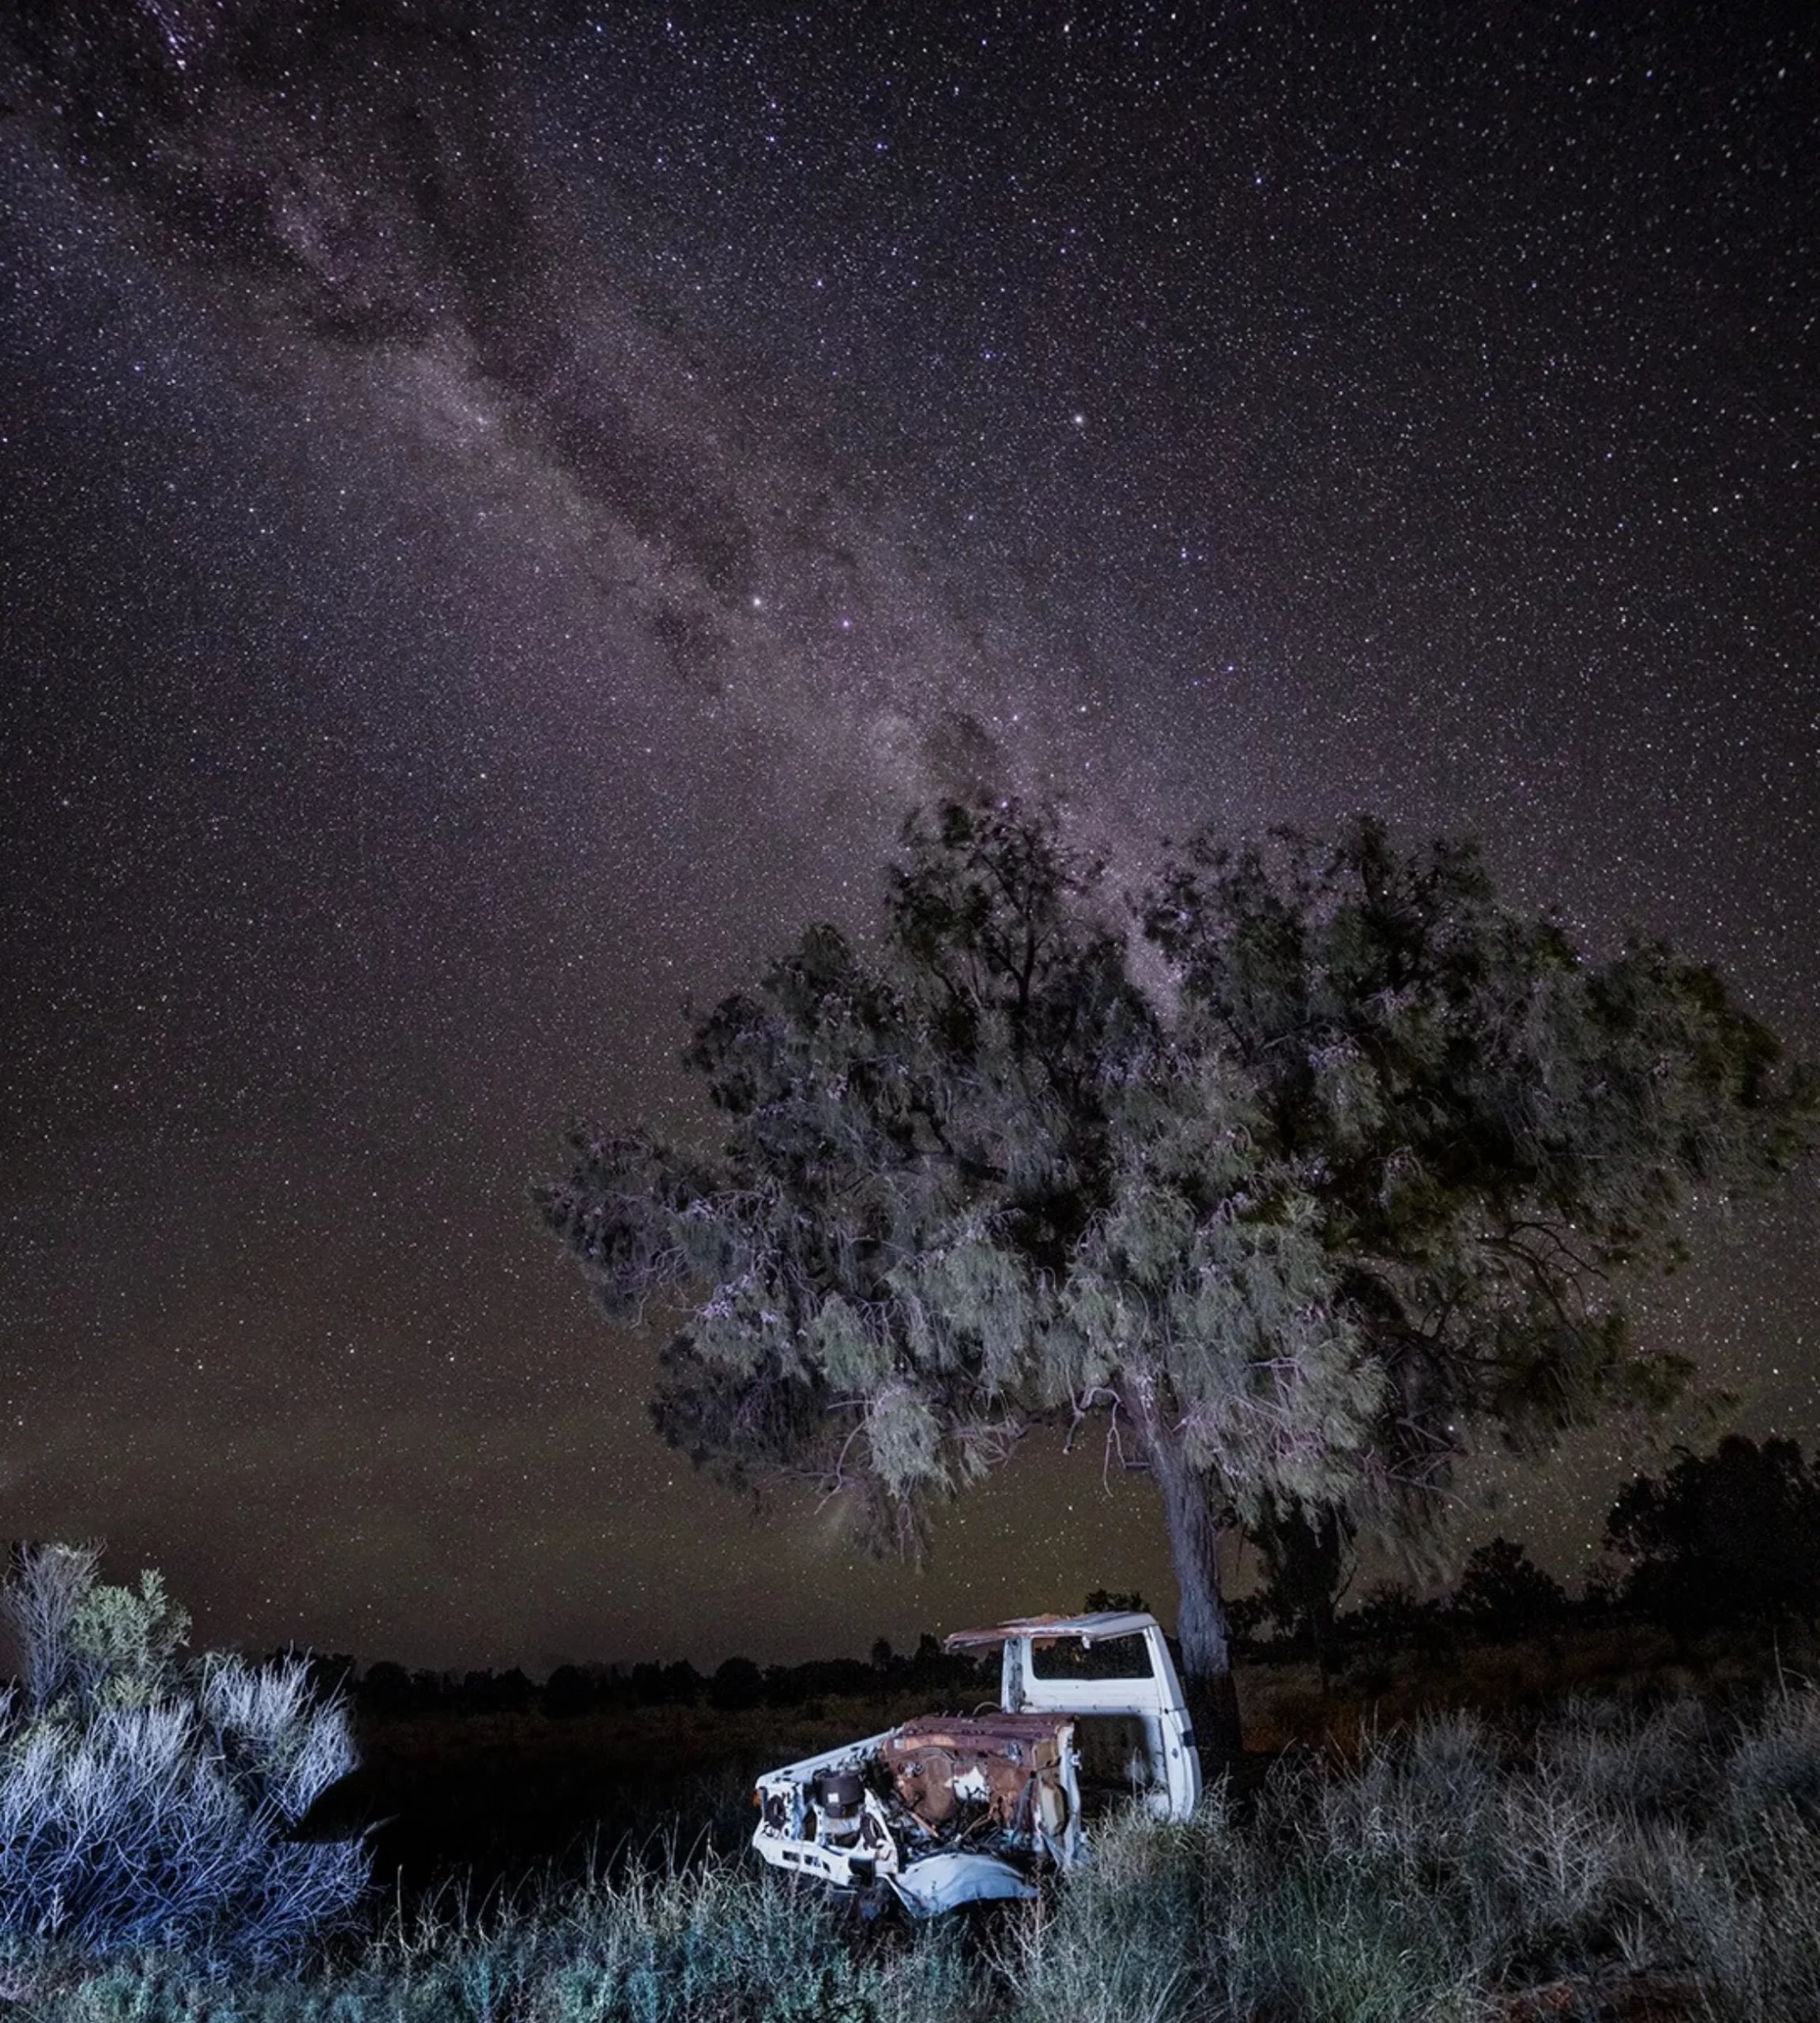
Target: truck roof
{"x": 1117, "y": 1623}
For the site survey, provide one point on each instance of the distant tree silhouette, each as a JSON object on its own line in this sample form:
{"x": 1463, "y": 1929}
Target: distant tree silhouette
{"x": 497, "y": 1693}
{"x": 930, "y": 1665}
{"x": 1732, "y": 1536}
{"x": 1250, "y": 1616}
{"x": 683, "y": 1684}
{"x": 1503, "y": 1592}
{"x": 1393, "y": 1613}
{"x": 568, "y": 1694}
{"x": 737, "y": 1686}
{"x": 384, "y": 1689}
{"x": 1307, "y": 1554}
{"x": 1115, "y": 1601}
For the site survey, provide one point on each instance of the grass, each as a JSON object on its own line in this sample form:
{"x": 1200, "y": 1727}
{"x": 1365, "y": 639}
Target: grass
{"x": 1591, "y": 1864}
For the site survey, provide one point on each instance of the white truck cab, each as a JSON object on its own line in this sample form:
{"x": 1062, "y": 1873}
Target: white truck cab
{"x": 948, "y": 1809}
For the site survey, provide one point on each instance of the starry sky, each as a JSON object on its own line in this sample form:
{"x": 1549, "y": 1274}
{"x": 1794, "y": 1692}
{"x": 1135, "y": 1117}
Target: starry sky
{"x": 502, "y": 508}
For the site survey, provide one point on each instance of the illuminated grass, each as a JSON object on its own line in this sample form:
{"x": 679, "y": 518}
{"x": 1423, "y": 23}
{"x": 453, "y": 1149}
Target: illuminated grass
{"x": 1440, "y": 1876}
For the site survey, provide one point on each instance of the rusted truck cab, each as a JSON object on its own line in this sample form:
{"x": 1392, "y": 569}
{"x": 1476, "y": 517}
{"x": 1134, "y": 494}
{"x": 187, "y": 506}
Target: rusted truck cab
{"x": 951, "y": 1809}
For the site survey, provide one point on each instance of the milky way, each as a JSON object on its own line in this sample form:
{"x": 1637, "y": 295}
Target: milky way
{"x": 501, "y": 511}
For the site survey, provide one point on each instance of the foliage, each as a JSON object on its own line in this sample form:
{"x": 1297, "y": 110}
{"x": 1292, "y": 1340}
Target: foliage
{"x": 1503, "y": 1590}
{"x": 1728, "y": 1537}
{"x": 660, "y": 1939}
{"x": 1491, "y": 1125}
{"x": 143, "y": 1800}
{"x": 1336, "y": 1176}
{"x": 97, "y": 1645}
{"x": 1608, "y": 1862}
{"x": 1453, "y": 1865}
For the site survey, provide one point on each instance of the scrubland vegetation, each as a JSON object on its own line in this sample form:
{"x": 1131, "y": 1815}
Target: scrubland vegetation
{"x": 1604, "y": 1862}
{"x": 1492, "y": 1806}
{"x": 145, "y": 1800}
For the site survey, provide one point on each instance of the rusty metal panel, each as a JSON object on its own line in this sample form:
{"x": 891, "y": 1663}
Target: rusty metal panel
{"x": 1005, "y": 1770}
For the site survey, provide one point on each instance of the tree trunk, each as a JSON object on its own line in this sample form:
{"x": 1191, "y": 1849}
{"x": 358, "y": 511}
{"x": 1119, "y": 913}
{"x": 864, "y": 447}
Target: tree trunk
{"x": 1200, "y": 1624}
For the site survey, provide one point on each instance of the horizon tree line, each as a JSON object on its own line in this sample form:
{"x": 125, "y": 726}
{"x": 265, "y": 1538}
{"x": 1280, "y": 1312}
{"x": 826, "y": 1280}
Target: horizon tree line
{"x": 1727, "y": 1539}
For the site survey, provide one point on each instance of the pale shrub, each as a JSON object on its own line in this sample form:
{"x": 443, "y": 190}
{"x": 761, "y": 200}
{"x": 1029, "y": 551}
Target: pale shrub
{"x": 144, "y": 1802}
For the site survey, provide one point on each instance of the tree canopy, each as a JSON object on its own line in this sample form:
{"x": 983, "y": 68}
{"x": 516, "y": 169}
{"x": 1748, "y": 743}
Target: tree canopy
{"x": 1309, "y": 1167}
{"x": 1731, "y": 1536}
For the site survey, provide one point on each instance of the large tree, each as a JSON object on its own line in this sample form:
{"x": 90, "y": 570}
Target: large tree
{"x": 1307, "y": 1169}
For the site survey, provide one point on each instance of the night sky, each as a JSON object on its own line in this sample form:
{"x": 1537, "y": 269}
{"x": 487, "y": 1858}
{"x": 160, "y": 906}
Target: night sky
{"x": 502, "y": 511}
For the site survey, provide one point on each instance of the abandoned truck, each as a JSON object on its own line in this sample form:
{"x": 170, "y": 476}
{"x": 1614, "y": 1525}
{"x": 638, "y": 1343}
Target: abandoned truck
{"x": 951, "y": 1809}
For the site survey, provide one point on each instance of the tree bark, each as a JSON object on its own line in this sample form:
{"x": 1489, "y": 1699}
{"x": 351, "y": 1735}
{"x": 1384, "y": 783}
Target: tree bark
{"x": 1200, "y": 1624}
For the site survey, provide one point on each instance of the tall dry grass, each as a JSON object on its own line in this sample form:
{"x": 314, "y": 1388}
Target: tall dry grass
{"x": 1456, "y": 1872}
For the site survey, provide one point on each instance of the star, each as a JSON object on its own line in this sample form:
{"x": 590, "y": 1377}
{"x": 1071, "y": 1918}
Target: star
{"x": 496, "y": 533}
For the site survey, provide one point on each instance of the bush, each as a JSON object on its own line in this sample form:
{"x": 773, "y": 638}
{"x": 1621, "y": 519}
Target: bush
{"x": 1453, "y": 1869}
{"x": 1617, "y": 1861}
{"x": 144, "y": 1801}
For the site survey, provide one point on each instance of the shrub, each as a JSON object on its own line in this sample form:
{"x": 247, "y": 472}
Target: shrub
{"x": 145, "y": 1801}
{"x": 1453, "y": 1868}
{"x": 1618, "y": 1861}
